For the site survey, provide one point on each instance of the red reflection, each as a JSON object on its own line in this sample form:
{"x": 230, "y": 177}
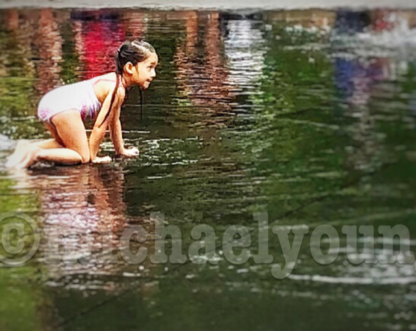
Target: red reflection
{"x": 96, "y": 40}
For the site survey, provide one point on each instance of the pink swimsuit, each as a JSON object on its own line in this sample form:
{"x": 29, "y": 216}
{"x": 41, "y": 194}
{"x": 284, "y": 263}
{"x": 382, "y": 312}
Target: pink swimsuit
{"x": 79, "y": 96}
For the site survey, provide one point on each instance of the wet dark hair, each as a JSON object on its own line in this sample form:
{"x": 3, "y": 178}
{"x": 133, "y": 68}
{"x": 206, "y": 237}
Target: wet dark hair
{"x": 130, "y": 51}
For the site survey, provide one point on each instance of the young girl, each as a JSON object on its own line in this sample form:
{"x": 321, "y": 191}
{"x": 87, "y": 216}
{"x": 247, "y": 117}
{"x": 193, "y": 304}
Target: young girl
{"x": 64, "y": 110}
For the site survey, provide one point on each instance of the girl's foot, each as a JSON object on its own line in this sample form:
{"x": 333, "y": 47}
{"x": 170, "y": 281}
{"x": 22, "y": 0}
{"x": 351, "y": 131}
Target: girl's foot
{"x": 18, "y": 155}
{"x": 31, "y": 157}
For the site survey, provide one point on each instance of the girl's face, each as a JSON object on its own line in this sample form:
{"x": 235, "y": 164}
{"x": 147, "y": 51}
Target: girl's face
{"x": 145, "y": 71}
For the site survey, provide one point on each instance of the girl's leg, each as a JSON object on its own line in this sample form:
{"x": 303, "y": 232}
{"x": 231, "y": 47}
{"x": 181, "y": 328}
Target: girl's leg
{"x": 23, "y": 147}
{"x": 68, "y": 129}
{"x": 56, "y": 142}
{"x": 48, "y": 144}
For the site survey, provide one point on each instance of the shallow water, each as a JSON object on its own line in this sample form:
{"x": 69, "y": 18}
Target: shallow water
{"x": 305, "y": 116}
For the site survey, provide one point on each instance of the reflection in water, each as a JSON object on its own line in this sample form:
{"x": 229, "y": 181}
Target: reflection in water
{"x": 134, "y": 23}
{"x": 362, "y": 80}
{"x": 98, "y": 35}
{"x": 202, "y": 76}
{"x": 245, "y": 49}
{"x": 81, "y": 243}
{"x": 308, "y": 119}
{"x": 18, "y": 74}
{"x": 49, "y": 44}
{"x": 12, "y": 19}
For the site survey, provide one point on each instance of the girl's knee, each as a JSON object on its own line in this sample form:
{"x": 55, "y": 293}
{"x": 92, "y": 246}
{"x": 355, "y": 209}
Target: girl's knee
{"x": 85, "y": 158}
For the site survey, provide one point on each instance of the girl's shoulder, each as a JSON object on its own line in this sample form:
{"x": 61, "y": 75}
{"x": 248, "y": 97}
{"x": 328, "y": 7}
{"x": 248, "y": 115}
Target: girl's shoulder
{"x": 105, "y": 78}
{"x": 104, "y": 84}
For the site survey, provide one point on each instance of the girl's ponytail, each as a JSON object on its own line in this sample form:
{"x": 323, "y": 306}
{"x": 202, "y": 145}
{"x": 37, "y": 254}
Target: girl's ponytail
{"x": 119, "y": 72}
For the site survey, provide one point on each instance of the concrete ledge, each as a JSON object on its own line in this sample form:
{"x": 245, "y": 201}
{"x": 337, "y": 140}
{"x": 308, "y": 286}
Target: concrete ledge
{"x": 211, "y": 4}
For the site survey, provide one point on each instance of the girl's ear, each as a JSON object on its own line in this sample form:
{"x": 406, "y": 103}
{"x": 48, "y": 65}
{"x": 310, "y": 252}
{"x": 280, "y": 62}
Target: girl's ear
{"x": 128, "y": 67}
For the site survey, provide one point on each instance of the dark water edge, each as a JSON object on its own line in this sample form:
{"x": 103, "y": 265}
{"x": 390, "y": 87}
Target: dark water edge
{"x": 306, "y": 115}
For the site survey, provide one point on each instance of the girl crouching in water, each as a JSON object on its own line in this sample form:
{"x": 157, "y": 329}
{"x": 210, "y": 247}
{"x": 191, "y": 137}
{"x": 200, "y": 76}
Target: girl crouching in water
{"x": 64, "y": 110}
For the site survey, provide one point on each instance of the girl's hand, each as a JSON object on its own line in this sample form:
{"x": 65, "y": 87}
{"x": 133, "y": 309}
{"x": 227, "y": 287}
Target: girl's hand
{"x": 105, "y": 159}
{"x": 130, "y": 152}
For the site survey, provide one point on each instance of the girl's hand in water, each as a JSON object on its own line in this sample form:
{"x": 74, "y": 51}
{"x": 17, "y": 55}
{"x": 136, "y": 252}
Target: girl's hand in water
{"x": 105, "y": 159}
{"x": 130, "y": 152}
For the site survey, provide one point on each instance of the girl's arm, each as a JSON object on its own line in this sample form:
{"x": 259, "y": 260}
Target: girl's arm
{"x": 98, "y": 132}
{"x": 116, "y": 135}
